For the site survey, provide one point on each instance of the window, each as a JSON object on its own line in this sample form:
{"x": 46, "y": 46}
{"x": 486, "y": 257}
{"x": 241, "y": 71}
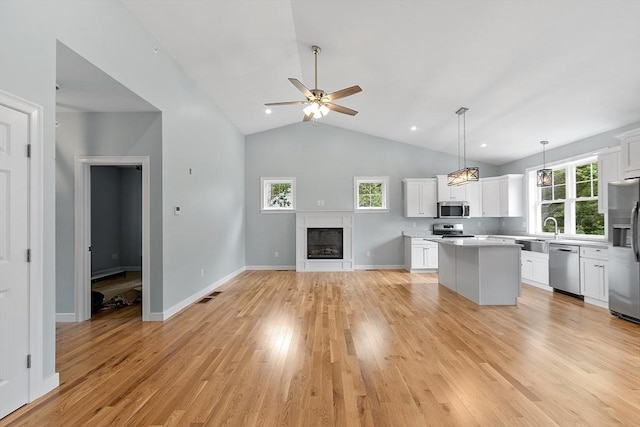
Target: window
{"x": 278, "y": 194}
{"x": 572, "y": 200}
{"x": 371, "y": 193}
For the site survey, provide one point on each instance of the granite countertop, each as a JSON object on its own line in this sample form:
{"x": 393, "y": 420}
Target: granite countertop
{"x": 475, "y": 243}
{"x": 601, "y": 244}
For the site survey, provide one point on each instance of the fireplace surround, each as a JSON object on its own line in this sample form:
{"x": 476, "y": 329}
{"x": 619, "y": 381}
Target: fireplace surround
{"x": 324, "y": 241}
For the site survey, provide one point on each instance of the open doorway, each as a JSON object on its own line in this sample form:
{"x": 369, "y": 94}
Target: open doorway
{"x": 116, "y": 238}
{"x": 100, "y": 194}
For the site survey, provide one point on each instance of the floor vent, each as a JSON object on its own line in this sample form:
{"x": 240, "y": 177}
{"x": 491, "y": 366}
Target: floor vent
{"x": 215, "y": 294}
{"x": 205, "y": 300}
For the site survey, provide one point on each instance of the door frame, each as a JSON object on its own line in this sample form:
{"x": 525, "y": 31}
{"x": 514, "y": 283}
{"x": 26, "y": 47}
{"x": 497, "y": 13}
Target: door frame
{"x": 82, "y": 169}
{"x": 37, "y": 386}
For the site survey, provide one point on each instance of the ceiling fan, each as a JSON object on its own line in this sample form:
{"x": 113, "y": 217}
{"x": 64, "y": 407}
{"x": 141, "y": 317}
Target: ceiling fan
{"x": 318, "y": 102}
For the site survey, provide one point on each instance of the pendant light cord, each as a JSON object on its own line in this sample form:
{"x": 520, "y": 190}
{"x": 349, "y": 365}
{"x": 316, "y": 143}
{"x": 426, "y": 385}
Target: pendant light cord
{"x": 459, "y": 142}
{"x": 464, "y": 137}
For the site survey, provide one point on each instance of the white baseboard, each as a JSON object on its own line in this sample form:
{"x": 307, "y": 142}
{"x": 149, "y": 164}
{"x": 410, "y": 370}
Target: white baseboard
{"x": 65, "y": 317}
{"x": 166, "y": 314}
{"x": 270, "y": 267}
{"x": 539, "y": 285}
{"x": 47, "y": 385}
{"x": 599, "y": 303}
{"x": 379, "y": 267}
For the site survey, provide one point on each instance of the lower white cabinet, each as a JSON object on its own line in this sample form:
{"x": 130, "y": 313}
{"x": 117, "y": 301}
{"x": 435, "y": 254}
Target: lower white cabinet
{"x": 594, "y": 277}
{"x": 420, "y": 254}
{"x": 535, "y": 268}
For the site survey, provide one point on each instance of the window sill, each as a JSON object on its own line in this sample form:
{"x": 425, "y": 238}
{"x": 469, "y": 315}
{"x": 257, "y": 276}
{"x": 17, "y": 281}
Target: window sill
{"x": 277, "y": 211}
{"x": 368, "y": 211}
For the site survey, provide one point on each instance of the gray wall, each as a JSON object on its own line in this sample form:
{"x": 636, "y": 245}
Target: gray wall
{"x": 105, "y": 217}
{"x": 577, "y": 148}
{"x": 130, "y": 217}
{"x": 195, "y": 134}
{"x": 324, "y": 160}
{"x": 116, "y": 217}
{"x": 105, "y": 134}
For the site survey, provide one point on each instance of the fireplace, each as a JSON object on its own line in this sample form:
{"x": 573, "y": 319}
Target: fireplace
{"x": 324, "y": 243}
{"x": 324, "y": 240}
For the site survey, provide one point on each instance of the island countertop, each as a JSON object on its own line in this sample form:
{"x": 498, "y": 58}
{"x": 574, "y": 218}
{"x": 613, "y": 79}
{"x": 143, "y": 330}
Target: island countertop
{"x": 471, "y": 242}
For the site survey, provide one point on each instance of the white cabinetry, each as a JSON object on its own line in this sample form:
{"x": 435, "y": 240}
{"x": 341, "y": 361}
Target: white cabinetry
{"x": 535, "y": 269}
{"x": 474, "y": 197}
{"x": 420, "y": 254}
{"x": 451, "y": 193}
{"x": 594, "y": 280}
{"x": 608, "y": 171}
{"x": 502, "y": 196}
{"x": 490, "y": 196}
{"x": 630, "y": 154}
{"x": 420, "y": 198}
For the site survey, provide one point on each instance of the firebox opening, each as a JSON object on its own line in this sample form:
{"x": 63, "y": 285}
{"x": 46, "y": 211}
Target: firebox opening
{"x": 324, "y": 243}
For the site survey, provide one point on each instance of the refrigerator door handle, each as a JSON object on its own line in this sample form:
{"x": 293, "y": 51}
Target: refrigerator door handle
{"x": 634, "y": 232}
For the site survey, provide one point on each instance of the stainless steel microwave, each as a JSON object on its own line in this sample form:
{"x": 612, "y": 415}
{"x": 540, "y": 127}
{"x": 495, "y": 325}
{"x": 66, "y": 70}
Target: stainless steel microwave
{"x": 453, "y": 210}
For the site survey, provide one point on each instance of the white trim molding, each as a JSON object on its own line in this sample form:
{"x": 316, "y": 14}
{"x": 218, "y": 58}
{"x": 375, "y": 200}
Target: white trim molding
{"x": 270, "y": 267}
{"x": 65, "y": 317}
{"x": 82, "y": 172}
{"x": 37, "y": 384}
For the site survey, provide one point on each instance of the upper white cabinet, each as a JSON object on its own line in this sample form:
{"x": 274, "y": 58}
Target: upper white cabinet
{"x": 474, "y": 197}
{"x": 502, "y": 196}
{"x": 420, "y": 197}
{"x": 630, "y": 154}
{"x": 451, "y": 193}
{"x": 490, "y": 196}
{"x": 608, "y": 171}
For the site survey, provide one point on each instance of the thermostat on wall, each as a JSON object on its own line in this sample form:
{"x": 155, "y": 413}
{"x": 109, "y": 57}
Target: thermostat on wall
{"x": 176, "y": 210}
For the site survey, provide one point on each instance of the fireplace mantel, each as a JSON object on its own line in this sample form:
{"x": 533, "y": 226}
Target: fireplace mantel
{"x": 325, "y": 219}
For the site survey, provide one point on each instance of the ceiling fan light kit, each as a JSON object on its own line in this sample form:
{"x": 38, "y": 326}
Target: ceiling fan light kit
{"x": 544, "y": 175}
{"x": 318, "y": 102}
{"x": 465, "y": 174}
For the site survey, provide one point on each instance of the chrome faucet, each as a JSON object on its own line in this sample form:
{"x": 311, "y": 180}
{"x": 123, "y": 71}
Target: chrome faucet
{"x": 555, "y": 222}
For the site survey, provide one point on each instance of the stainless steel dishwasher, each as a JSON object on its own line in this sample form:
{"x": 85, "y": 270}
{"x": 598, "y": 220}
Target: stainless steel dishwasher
{"x": 564, "y": 267}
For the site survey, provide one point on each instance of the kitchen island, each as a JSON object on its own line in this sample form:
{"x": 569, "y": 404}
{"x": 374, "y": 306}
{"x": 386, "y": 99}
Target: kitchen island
{"x": 486, "y": 272}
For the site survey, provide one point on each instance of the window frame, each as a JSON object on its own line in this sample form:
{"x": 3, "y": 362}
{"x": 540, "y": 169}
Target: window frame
{"x": 265, "y": 183}
{"x": 384, "y": 180}
{"x": 535, "y": 225}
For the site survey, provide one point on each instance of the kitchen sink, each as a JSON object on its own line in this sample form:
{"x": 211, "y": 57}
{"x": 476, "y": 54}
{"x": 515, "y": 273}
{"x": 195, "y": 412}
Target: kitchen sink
{"x": 534, "y": 245}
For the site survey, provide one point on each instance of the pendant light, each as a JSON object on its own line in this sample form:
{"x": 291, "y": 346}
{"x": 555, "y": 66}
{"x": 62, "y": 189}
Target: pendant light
{"x": 465, "y": 174}
{"x": 545, "y": 176}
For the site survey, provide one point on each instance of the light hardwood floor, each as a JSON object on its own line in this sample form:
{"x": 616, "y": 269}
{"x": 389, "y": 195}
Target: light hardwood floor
{"x": 383, "y": 348}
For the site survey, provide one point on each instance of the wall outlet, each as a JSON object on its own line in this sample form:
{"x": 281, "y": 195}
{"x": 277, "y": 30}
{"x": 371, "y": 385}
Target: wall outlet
{"x": 114, "y": 256}
{"x": 320, "y": 202}
{"x": 276, "y": 254}
{"x": 202, "y": 272}
{"x": 479, "y": 224}
{"x": 368, "y": 253}
{"x": 414, "y": 224}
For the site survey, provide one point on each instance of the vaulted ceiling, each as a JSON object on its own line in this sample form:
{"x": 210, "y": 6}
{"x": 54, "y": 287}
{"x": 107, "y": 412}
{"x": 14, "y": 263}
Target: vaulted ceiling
{"x": 527, "y": 70}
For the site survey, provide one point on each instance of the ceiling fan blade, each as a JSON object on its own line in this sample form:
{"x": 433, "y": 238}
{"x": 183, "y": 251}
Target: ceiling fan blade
{"x": 307, "y": 117}
{"x": 343, "y": 93}
{"x": 302, "y": 88}
{"x": 285, "y": 103}
{"x": 340, "y": 109}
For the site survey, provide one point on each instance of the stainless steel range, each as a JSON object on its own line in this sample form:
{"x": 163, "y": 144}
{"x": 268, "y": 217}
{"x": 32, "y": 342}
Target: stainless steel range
{"x": 450, "y": 231}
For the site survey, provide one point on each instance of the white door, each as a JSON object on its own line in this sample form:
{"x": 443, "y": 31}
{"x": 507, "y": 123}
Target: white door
{"x": 14, "y": 270}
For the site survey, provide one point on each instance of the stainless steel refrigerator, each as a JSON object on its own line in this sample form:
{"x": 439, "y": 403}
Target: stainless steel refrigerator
{"x": 624, "y": 253}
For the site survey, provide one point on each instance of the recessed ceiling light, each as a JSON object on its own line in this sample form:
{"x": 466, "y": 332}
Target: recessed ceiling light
{"x": 414, "y": 128}
{"x": 268, "y": 111}
{"x": 483, "y": 145}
